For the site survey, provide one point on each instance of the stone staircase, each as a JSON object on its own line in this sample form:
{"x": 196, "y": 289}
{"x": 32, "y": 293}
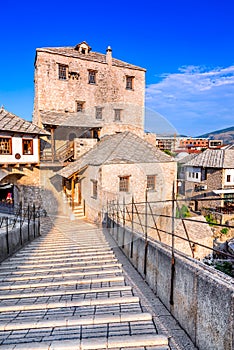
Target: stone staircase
{"x": 67, "y": 290}
{"x": 78, "y": 211}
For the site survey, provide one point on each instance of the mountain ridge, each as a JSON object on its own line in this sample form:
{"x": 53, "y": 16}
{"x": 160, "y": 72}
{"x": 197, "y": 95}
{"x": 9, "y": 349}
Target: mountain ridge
{"x": 227, "y": 135}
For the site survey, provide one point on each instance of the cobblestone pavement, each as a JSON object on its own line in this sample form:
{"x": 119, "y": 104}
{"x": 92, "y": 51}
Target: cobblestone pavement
{"x": 72, "y": 288}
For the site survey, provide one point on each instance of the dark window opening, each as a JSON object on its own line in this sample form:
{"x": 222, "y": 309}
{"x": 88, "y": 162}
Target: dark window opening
{"x": 62, "y": 71}
{"x": 228, "y": 178}
{"x": 27, "y": 146}
{"x": 117, "y": 115}
{"x": 94, "y": 194}
{"x": 151, "y": 182}
{"x": 92, "y": 77}
{"x": 98, "y": 112}
{"x": 80, "y": 106}
{"x": 5, "y": 145}
{"x": 124, "y": 183}
{"x": 129, "y": 83}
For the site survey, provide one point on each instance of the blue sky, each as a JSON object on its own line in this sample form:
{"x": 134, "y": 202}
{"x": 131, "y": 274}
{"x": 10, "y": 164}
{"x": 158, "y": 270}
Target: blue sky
{"x": 186, "y": 47}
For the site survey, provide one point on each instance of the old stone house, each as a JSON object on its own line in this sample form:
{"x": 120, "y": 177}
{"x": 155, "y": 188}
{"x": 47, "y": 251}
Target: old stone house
{"x": 118, "y": 167}
{"x": 211, "y": 174}
{"x": 19, "y": 159}
{"x": 84, "y": 94}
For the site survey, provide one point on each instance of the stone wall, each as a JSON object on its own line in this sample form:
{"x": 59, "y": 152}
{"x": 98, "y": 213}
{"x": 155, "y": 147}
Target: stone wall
{"x": 108, "y": 175}
{"x": 203, "y": 298}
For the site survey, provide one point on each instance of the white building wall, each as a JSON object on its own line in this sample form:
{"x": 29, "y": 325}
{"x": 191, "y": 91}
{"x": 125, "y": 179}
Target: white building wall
{"x": 17, "y": 147}
{"x": 228, "y": 174}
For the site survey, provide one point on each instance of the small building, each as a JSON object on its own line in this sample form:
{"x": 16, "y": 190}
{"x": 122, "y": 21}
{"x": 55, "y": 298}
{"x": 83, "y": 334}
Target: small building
{"x": 118, "y": 167}
{"x": 19, "y": 158}
{"x": 211, "y": 173}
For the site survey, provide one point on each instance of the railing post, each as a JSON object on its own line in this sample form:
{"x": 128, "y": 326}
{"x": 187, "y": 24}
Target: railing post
{"x": 146, "y": 232}
{"x": 117, "y": 222}
{"x": 172, "y": 245}
{"x": 7, "y": 236}
{"x": 20, "y": 217}
{"x": 132, "y": 228}
{"x": 107, "y": 213}
{"x": 123, "y": 222}
{"x": 113, "y": 217}
{"x": 34, "y": 221}
{"x": 28, "y": 223}
{"x": 39, "y": 222}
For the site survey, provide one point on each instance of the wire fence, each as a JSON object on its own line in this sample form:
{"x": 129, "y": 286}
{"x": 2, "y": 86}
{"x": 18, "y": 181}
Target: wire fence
{"x": 23, "y": 222}
{"x": 158, "y": 220}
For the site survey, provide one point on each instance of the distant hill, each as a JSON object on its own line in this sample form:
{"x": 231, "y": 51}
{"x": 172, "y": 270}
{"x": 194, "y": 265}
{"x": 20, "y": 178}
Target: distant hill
{"x": 227, "y": 135}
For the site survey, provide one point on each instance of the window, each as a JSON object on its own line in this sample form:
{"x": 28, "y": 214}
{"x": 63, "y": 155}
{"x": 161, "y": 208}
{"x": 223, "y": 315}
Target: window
{"x": 62, "y": 71}
{"x": 27, "y": 146}
{"x": 228, "y": 178}
{"x": 92, "y": 76}
{"x": 151, "y": 182}
{"x": 79, "y": 106}
{"x": 94, "y": 194}
{"x": 123, "y": 183}
{"x": 5, "y": 145}
{"x": 129, "y": 82}
{"x": 98, "y": 112}
{"x": 117, "y": 114}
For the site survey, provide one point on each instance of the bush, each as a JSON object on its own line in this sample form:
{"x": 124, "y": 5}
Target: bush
{"x": 183, "y": 212}
{"x": 225, "y": 267}
{"x": 209, "y": 218}
{"x": 224, "y": 230}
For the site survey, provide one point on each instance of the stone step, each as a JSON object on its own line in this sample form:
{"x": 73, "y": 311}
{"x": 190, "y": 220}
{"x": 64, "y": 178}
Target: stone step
{"x": 77, "y": 256}
{"x": 64, "y": 283}
{"x": 75, "y": 321}
{"x": 157, "y": 342}
{"x": 106, "y": 271}
{"x": 64, "y": 292}
{"x": 69, "y": 303}
{"x": 68, "y": 249}
{"x": 84, "y": 252}
{"x": 64, "y": 269}
{"x": 7, "y": 265}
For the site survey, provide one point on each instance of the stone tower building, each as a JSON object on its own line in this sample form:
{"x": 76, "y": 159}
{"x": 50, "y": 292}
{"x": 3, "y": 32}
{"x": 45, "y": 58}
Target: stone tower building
{"x": 90, "y": 92}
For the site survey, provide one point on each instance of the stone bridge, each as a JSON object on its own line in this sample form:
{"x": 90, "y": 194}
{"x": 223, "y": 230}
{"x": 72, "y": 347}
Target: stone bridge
{"x": 72, "y": 288}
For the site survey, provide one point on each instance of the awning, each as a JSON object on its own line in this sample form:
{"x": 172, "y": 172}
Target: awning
{"x": 227, "y": 191}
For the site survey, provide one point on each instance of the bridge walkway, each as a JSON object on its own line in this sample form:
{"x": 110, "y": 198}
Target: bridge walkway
{"x": 72, "y": 288}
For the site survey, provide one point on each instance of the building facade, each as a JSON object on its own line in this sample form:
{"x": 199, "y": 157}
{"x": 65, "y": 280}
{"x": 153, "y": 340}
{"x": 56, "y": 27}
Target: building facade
{"x": 87, "y": 94}
{"x": 19, "y": 159}
{"x": 211, "y": 174}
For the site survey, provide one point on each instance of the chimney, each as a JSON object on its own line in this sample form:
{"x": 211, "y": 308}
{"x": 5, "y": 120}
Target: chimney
{"x": 109, "y": 56}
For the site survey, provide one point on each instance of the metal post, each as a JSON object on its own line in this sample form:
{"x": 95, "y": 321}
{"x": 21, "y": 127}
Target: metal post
{"x": 39, "y": 223}
{"x": 107, "y": 214}
{"x": 117, "y": 222}
{"x": 123, "y": 222}
{"x": 7, "y": 236}
{"x": 28, "y": 223}
{"x": 146, "y": 232}
{"x": 172, "y": 245}
{"x": 20, "y": 217}
{"x": 34, "y": 221}
{"x": 132, "y": 228}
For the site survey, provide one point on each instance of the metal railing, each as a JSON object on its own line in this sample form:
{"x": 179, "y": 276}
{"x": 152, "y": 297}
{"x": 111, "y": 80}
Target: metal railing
{"x": 21, "y": 217}
{"x": 141, "y": 218}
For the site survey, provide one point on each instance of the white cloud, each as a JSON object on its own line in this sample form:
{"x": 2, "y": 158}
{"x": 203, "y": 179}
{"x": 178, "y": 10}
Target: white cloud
{"x": 195, "y": 100}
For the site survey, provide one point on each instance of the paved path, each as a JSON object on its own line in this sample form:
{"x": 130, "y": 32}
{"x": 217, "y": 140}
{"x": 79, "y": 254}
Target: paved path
{"x": 72, "y": 288}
